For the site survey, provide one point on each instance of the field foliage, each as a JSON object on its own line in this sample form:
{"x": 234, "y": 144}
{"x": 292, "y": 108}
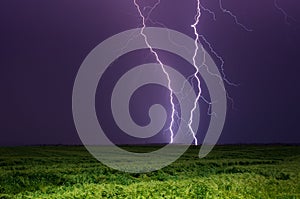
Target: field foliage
{"x": 227, "y": 172}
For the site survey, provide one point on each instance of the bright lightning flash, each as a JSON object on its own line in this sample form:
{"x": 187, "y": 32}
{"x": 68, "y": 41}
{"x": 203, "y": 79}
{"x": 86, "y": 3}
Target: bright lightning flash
{"x": 196, "y": 50}
{"x": 194, "y": 26}
{"x": 162, "y": 67}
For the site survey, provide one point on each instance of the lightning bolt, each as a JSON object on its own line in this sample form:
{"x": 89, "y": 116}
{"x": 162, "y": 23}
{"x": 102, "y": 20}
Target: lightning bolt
{"x": 224, "y": 10}
{"x": 209, "y": 11}
{"x": 287, "y": 17}
{"x": 196, "y": 41}
{"x": 160, "y": 63}
{"x": 194, "y": 26}
{"x": 223, "y": 77}
{"x": 198, "y": 37}
{"x": 215, "y": 54}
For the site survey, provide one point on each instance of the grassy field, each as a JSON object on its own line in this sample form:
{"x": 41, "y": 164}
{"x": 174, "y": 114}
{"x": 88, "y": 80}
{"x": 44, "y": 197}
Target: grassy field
{"x": 227, "y": 172}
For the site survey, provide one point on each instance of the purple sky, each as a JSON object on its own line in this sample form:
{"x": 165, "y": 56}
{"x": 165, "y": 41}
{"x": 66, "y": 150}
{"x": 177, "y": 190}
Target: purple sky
{"x": 43, "y": 44}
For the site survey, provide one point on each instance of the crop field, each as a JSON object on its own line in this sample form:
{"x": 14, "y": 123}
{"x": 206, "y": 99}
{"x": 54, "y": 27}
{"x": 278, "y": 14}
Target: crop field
{"x": 234, "y": 171}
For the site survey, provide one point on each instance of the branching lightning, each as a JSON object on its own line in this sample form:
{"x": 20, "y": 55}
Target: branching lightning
{"x": 197, "y": 41}
{"x": 209, "y": 11}
{"x": 198, "y": 36}
{"x": 162, "y": 67}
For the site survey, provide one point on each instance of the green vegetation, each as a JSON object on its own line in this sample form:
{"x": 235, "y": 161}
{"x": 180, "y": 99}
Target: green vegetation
{"x": 227, "y": 172}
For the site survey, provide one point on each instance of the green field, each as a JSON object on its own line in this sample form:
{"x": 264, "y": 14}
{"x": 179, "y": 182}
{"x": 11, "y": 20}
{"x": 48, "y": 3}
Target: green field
{"x": 227, "y": 172}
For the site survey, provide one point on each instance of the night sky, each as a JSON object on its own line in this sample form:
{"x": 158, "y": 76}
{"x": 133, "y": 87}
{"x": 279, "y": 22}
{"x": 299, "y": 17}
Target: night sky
{"x": 43, "y": 44}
